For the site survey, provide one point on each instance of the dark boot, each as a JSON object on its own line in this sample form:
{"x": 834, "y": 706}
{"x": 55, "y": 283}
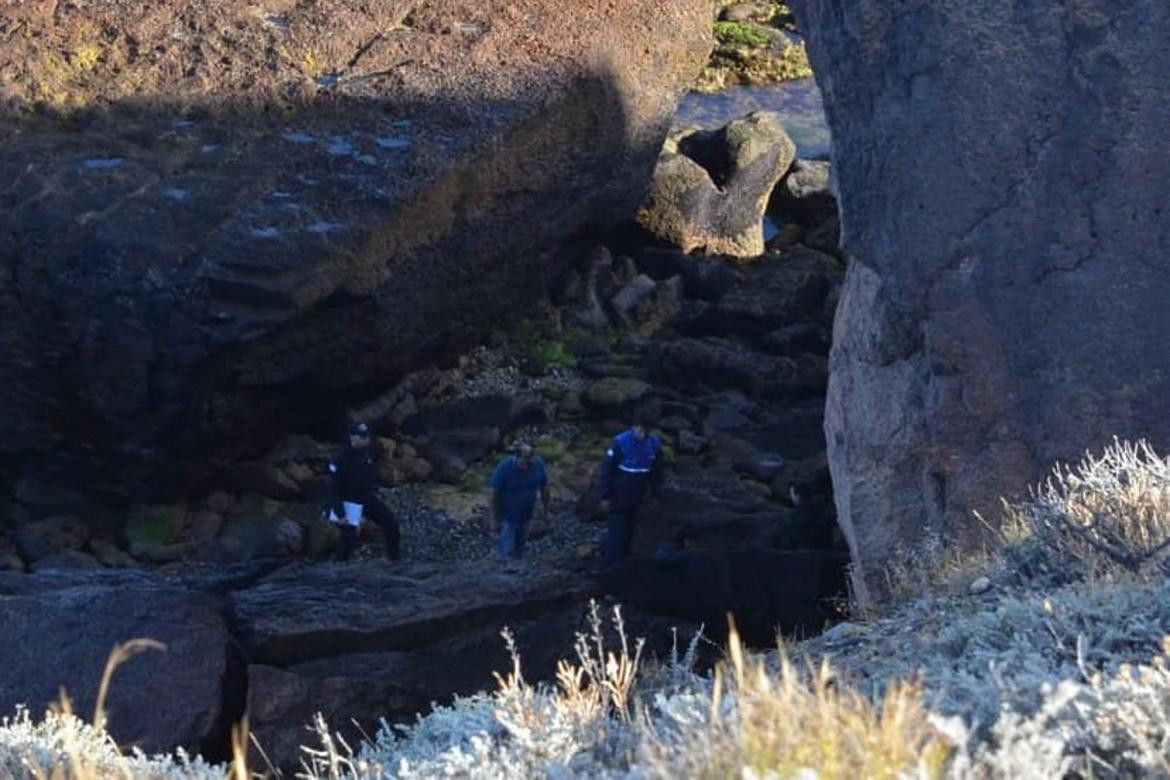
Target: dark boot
{"x": 348, "y": 542}
{"x": 393, "y": 541}
{"x": 381, "y": 514}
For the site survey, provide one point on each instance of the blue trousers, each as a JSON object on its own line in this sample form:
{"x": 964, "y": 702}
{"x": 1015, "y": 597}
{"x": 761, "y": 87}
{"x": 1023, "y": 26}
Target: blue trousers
{"x": 514, "y": 535}
{"x": 619, "y": 534}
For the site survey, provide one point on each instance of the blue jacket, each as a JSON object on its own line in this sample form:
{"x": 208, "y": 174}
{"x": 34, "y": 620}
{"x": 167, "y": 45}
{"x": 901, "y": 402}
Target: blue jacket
{"x": 629, "y": 467}
{"x": 516, "y": 489}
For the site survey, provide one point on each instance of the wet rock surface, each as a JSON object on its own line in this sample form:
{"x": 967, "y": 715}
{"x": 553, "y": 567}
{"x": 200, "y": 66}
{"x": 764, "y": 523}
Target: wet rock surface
{"x": 755, "y": 44}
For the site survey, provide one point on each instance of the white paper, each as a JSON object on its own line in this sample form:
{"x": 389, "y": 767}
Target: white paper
{"x": 353, "y": 514}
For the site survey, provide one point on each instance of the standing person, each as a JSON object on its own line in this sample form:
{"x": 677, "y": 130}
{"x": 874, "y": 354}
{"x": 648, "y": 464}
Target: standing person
{"x": 515, "y": 484}
{"x": 353, "y": 475}
{"x": 630, "y": 468}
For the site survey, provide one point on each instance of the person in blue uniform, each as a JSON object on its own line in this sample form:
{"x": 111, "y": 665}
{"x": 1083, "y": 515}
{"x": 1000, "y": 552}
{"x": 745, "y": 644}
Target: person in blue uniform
{"x": 630, "y": 469}
{"x": 353, "y": 477}
{"x": 515, "y": 484}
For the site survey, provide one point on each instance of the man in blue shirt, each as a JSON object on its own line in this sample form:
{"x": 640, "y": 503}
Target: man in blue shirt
{"x": 631, "y": 467}
{"x": 515, "y": 484}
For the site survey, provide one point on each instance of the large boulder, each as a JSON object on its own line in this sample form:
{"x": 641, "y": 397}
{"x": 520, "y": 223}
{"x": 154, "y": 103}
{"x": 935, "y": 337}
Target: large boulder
{"x": 1004, "y": 209}
{"x": 220, "y": 224}
{"x": 304, "y": 613}
{"x": 711, "y": 193}
{"x": 355, "y": 692}
{"x": 804, "y": 200}
{"x": 58, "y": 633}
{"x": 367, "y": 640}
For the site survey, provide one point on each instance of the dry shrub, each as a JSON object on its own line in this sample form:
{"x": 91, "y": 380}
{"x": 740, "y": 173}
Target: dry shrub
{"x": 1108, "y": 516}
{"x": 1104, "y": 518}
{"x": 522, "y": 730}
{"x": 929, "y": 565}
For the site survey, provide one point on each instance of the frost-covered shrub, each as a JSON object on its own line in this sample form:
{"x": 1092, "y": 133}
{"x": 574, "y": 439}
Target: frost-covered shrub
{"x": 584, "y": 725}
{"x": 1108, "y": 516}
{"x": 63, "y": 746}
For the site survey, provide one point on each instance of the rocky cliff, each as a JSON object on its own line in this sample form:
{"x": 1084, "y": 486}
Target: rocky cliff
{"x": 220, "y": 221}
{"x": 1001, "y": 171}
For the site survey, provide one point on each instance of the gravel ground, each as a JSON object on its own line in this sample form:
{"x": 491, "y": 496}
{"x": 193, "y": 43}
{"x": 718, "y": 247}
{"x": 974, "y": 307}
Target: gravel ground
{"x": 433, "y": 535}
{"x": 492, "y": 371}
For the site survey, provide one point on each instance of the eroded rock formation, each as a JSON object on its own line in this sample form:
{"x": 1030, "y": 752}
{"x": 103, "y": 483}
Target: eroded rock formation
{"x": 1001, "y": 170}
{"x": 710, "y": 189}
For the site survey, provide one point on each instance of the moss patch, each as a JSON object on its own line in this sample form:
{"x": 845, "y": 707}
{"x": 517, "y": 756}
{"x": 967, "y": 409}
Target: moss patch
{"x": 741, "y": 34}
{"x": 756, "y": 52}
{"x": 154, "y": 526}
{"x": 552, "y": 353}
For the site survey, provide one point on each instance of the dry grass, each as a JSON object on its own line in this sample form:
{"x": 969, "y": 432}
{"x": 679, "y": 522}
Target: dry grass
{"x": 768, "y": 722}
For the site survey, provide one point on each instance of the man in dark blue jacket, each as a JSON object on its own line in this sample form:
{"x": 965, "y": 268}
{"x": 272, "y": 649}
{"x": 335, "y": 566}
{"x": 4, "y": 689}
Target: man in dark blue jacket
{"x": 516, "y": 482}
{"x": 353, "y": 477}
{"x": 631, "y": 467}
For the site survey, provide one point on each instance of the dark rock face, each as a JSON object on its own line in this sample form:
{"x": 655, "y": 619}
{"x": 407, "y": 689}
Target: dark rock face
{"x": 58, "y": 633}
{"x": 308, "y": 612}
{"x": 396, "y": 686}
{"x": 698, "y": 586}
{"x": 1004, "y": 210}
{"x": 282, "y": 707}
{"x": 231, "y": 237}
{"x": 369, "y": 640}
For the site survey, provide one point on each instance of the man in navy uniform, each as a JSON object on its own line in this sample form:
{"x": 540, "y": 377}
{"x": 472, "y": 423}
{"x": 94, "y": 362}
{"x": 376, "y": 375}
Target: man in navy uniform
{"x": 631, "y": 468}
{"x": 353, "y": 476}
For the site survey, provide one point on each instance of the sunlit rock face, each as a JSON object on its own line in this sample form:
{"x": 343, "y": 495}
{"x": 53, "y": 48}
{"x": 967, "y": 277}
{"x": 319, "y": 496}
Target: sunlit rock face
{"x": 218, "y": 224}
{"x": 1001, "y": 171}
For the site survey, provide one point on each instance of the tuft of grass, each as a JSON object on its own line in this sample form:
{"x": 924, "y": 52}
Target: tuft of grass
{"x": 86, "y": 57}
{"x": 552, "y": 353}
{"x": 741, "y": 34}
{"x": 768, "y": 722}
